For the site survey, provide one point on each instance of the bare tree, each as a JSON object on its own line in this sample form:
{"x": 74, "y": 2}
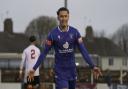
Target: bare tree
{"x": 121, "y": 37}
{"x": 100, "y": 34}
{"x": 40, "y": 27}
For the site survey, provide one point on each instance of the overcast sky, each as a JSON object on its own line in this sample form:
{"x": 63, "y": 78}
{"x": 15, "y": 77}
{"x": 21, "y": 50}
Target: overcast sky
{"x": 107, "y": 15}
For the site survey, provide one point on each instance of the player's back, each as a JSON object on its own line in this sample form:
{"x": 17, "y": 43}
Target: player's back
{"x": 32, "y": 53}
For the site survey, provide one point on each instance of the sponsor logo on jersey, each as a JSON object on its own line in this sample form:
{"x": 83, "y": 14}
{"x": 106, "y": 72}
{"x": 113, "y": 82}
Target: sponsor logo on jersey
{"x": 66, "y": 51}
{"x": 66, "y": 45}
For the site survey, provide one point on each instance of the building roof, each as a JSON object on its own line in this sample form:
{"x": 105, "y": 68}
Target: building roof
{"x": 13, "y": 43}
{"x": 103, "y": 47}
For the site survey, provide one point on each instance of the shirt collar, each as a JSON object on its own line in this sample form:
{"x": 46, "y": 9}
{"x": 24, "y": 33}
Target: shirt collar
{"x": 61, "y": 30}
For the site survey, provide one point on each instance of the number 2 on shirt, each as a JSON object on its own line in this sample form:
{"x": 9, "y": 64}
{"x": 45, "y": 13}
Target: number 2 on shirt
{"x": 32, "y": 54}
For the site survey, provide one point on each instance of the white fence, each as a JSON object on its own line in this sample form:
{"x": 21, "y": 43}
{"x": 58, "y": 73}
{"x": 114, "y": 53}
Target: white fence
{"x": 10, "y": 86}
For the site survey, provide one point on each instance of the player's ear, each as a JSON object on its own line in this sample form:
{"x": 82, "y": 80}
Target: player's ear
{"x": 68, "y": 16}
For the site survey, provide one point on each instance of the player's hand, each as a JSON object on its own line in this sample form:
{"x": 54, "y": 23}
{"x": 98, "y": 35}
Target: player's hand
{"x": 20, "y": 75}
{"x": 31, "y": 75}
{"x": 97, "y": 72}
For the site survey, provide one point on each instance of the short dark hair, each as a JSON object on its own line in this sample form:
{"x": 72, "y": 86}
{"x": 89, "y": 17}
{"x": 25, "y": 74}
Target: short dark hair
{"x": 62, "y": 9}
{"x": 32, "y": 38}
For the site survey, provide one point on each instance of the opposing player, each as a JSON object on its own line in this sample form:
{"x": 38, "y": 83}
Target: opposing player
{"x": 29, "y": 58}
{"x": 64, "y": 39}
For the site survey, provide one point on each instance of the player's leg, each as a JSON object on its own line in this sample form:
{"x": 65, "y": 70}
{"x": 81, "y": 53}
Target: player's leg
{"x": 61, "y": 84}
{"x": 72, "y": 84}
{"x": 24, "y": 86}
{"x": 29, "y": 84}
{"x": 36, "y": 83}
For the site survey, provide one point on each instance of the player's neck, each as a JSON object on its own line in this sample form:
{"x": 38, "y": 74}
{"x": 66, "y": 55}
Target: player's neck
{"x": 32, "y": 43}
{"x": 63, "y": 28}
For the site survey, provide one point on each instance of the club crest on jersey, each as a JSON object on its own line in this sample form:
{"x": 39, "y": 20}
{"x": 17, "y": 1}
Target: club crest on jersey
{"x": 58, "y": 36}
{"x": 80, "y": 40}
{"x": 48, "y": 42}
{"x": 66, "y": 45}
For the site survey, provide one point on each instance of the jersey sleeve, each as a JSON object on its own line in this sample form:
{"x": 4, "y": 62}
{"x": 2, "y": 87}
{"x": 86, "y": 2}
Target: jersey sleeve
{"x": 23, "y": 60}
{"x": 48, "y": 46}
{"x": 83, "y": 50}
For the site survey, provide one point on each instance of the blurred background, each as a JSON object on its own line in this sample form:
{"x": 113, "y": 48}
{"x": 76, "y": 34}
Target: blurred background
{"x": 102, "y": 23}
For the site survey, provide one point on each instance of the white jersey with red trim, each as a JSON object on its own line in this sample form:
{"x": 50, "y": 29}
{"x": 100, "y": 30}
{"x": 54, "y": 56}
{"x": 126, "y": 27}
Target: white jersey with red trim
{"x": 29, "y": 58}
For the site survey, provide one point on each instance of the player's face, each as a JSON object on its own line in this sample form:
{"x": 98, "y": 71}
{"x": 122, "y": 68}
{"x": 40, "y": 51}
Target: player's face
{"x": 63, "y": 18}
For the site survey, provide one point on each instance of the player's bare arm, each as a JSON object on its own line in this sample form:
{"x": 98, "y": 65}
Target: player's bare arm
{"x": 31, "y": 75}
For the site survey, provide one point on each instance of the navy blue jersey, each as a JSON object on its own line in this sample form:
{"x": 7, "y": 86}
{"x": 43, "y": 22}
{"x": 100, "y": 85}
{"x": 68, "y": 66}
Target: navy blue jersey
{"x": 64, "y": 44}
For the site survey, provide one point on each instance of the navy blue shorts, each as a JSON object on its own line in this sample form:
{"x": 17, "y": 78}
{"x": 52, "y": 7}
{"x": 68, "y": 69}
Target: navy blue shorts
{"x": 36, "y": 81}
{"x": 69, "y": 84}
